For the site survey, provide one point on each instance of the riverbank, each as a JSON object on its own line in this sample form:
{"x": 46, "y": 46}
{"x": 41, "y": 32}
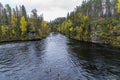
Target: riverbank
{"x": 14, "y": 41}
{"x": 26, "y": 40}
{"x": 95, "y": 43}
{"x": 58, "y": 55}
{"x": 104, "y": 31}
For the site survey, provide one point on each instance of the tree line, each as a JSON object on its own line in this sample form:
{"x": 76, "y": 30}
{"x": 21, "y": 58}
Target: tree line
{"x": 16, "y": 24}
{"x": 94, "y": 21}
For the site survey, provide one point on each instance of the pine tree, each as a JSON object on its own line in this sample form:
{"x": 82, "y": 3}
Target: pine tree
{"x": 24, "y": 12}
{"x": 9, "y": 13}
{"x": 1, "y": 7}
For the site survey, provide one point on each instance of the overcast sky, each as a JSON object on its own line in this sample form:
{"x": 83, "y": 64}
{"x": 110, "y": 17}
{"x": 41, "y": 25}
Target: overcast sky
{"x": 51, "y": 9}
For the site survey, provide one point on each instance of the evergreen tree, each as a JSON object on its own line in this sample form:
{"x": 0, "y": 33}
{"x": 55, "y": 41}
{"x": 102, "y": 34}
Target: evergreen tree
{"x": 9, "y": 13}
{"x": 24, "y": 12}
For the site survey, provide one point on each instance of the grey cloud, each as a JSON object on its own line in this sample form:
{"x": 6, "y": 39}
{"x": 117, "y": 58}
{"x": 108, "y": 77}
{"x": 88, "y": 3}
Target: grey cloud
{"x": 51, "y": 4}
{"x": 50, "y": 8}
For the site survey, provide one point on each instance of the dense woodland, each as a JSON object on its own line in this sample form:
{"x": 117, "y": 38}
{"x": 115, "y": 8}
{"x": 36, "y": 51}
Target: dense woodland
{"x": 95, "y": 21}
{"x": 16, "y": 24}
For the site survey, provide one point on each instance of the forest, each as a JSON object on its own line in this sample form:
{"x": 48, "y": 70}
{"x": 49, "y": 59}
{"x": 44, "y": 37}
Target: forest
{"x": 83, "y": 45}
{"x": 16, "y": 24}
{"x": 96, "y": 21}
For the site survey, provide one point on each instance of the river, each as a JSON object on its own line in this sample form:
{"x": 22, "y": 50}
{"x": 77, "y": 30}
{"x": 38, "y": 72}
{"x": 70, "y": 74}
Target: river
{"x": 58, "y": 58}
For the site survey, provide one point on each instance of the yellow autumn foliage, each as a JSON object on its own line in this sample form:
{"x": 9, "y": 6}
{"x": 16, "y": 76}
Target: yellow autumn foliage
{"x": 118, "y": 6}
{"x": 43, "y": 24}
{"x": 71, "y": 29}
{"x": 85, "y": 18}
{"x": 69, "y": 23}
{"x": 23, "y": 24}
{"x": 13, "y": 31}
{"x": 3, "y": 30}
{"x": 13, "y": 20}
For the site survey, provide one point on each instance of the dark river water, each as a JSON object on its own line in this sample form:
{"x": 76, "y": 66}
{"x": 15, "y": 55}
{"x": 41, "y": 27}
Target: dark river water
{"x": 58, "y": 58}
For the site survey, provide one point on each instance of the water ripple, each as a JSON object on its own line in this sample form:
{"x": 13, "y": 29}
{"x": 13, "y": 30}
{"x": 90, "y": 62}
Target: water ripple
{"x": 57, "y": 56}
